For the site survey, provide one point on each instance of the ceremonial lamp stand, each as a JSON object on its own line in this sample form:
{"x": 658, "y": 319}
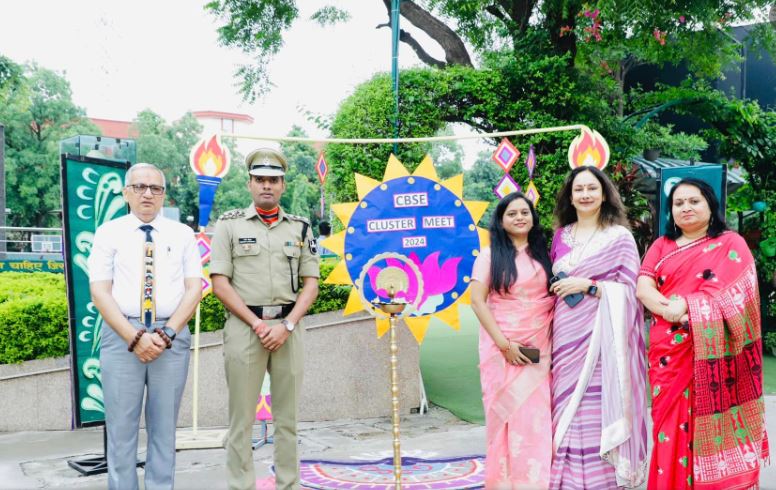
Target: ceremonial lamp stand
{"x": 394, "y": 309}
{"x": 392, "y": 279}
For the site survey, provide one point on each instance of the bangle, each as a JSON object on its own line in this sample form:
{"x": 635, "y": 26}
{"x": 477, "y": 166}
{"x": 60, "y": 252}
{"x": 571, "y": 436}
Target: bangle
{"x": 164, "y": 336}
{"x": 134, "y": 342}
{"x": 509, "y": 346}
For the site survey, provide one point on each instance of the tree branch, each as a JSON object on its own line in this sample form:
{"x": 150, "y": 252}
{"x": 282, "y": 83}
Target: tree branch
{"x": 496, "y": 12}
{"x": 455, "y": 50}
{"x": 426, "y": 58}
{"x": 407, "y": 38}
{"x": 519, "y": 11}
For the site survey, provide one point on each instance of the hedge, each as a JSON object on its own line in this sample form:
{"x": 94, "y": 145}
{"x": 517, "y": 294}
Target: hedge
{"x": 33, "y": 316}
{"x": 33, "y": 313}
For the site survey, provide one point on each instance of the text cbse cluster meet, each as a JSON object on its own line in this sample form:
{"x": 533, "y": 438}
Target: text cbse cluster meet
{"x": 409, "y": 200}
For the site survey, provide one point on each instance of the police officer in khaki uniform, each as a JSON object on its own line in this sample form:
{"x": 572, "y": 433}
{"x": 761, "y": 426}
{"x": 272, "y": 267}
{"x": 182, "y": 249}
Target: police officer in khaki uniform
{"x": 260, "y": 255}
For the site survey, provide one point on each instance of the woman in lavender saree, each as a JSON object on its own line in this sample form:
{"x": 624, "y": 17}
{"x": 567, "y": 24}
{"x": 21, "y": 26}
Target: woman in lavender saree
{"x": 598, "y": 351}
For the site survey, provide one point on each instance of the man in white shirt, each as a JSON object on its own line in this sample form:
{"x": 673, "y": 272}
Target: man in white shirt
{"x": 145, "y": 280}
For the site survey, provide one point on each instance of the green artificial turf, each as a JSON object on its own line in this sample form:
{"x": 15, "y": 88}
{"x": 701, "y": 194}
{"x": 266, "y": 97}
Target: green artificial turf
{"x": 769, "y": 375}
{"x": 449, "y": 364}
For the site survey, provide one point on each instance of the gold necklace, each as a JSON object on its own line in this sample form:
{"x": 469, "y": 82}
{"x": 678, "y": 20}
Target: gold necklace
{"x": 574, "y": 247}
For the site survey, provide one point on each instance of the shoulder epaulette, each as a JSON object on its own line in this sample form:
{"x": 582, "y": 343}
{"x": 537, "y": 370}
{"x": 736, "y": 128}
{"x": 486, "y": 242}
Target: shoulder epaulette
{"x": 298, "y": 218}
{"x": 234, "y": 213}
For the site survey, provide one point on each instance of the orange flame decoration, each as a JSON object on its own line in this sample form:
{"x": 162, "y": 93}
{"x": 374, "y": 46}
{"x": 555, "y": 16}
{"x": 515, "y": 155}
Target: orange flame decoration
{"x": 589, "y": 148}
{"x": 211, "y": 158}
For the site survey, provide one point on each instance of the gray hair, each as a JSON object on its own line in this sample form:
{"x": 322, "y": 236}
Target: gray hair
{"x": 138, "y": 166}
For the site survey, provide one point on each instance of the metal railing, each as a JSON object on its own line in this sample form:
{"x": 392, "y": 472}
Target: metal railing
{"x": 23, "y": 241}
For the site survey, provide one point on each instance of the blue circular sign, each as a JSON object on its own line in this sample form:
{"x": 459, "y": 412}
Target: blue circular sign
{"x": 424, "y": 221}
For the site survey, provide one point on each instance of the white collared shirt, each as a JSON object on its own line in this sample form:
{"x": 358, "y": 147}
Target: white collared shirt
{"x": 117, "y": 255}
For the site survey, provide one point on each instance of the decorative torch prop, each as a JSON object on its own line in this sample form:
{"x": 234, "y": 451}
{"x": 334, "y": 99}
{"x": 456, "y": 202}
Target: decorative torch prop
{"x": 396, "y": 295}
{"x": 209, "y": 160}
{"x": 589, "y": 148}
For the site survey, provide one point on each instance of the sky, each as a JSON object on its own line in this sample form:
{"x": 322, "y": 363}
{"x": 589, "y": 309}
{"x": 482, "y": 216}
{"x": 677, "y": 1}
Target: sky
{"x": 122, "y": 57}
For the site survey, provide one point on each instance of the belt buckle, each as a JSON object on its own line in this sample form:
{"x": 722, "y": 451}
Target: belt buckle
{"x": 271, "y": 312}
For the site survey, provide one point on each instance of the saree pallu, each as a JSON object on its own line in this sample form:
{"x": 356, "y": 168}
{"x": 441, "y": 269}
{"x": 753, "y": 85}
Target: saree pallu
{"x": 517, "y": 398}
{"x": 599, "y": 367}
{"x": 709, "y": 410}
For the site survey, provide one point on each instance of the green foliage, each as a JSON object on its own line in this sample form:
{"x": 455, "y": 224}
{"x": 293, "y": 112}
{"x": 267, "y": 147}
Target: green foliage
{"x": 303, "y": 192}
{"x": 509, "y": 95}
{"x": 11, "y": 76}
{"x": 255, "y": 27}
{"x": 770, "y": 341}
{"x": 478, "y": 184}
{"x": 680, "y": 145}
{"x": 766, "y": 266}
{"x": 19, "y": 285}
{"x": 745, "y": 132}
{"x": 168, "y": 146}
{"x": 37, "y": 110}
{"x": 331, "y": 297}
{"x": 212, "y": 315}
{"x": 447, "y": 155}
{"x": 33, "y": 316}
{"x": 330, "y": 15}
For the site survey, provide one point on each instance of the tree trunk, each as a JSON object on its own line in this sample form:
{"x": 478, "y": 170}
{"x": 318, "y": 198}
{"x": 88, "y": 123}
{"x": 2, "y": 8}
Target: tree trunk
{"x": 563, "y": 14}
{"x": 452, "y": 44}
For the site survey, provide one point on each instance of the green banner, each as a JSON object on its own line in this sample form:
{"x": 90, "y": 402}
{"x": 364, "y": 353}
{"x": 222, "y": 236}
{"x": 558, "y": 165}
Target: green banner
{"x": 32, "y": 266}
{"x": 91, "y": 195}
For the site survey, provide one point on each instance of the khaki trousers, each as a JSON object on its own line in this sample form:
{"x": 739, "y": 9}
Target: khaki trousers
{"x": 246, "y": 361}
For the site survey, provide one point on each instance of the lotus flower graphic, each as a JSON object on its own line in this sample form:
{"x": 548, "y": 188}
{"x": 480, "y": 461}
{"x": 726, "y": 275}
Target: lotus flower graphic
{"x": 436, "y": 280}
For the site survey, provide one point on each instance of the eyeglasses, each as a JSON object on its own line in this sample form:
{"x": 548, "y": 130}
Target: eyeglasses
{"x": 156, "y": 190}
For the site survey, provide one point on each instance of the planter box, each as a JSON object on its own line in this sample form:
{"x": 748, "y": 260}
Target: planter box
{"x": 347, "y": 375}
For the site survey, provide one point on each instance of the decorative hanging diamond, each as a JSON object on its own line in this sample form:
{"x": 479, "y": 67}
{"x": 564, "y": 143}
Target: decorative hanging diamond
{"x": 506, "y": 186}
{"x": 530, "y": 162}
{"x": 206, "y": 284}
{"x": 532, "y": 193}
{"x": 203, "y": 244}
{"x": 322, "y": 168}
{"x": 506, "y": 154}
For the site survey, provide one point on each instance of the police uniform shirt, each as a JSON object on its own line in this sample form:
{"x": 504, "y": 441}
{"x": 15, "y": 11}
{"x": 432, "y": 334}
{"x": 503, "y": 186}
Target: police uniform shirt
{"x": 256, "y": 256}
{"x": 117, "y": 255}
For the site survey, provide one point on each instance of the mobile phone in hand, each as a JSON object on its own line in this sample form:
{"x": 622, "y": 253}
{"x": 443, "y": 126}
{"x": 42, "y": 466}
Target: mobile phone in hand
{"x": 532, "y": 353}
{"x": 572, "y": 299}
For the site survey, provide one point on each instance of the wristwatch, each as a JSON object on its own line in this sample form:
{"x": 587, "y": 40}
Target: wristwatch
{"x": 288, "y": 324}
{"x": 593, "y": 289}
{"x": 169, "y": 331}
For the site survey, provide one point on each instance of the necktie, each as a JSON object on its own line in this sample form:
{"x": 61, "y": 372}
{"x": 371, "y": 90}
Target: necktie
{"x": 147, "y": 312}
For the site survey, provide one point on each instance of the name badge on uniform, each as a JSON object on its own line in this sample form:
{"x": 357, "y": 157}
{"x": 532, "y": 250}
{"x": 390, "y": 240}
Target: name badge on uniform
{"x": 247, "y": 243}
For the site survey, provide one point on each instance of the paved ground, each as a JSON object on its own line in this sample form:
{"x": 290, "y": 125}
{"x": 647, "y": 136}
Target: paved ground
{"x": 30, "y": 460}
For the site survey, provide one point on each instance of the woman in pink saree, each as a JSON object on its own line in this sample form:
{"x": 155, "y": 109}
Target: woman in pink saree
{"x": 510, "y": 299}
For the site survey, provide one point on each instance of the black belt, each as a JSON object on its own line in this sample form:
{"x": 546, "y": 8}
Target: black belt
{"x": 272, "y": 312}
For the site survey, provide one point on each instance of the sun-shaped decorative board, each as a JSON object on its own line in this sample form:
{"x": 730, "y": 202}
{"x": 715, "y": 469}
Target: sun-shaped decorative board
{"x": 418, "y": 217}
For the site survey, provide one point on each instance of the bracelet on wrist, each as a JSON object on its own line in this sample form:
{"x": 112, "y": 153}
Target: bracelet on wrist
{"x": 167, "y": 340}
{"x": 134, "y": 342}
{"x": 506, "y": 349}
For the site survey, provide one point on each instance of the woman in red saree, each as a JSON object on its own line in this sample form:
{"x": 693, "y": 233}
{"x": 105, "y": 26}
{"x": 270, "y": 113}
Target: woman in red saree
{"x": 705, "y": 354}
{"x": 510, "y": 298}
